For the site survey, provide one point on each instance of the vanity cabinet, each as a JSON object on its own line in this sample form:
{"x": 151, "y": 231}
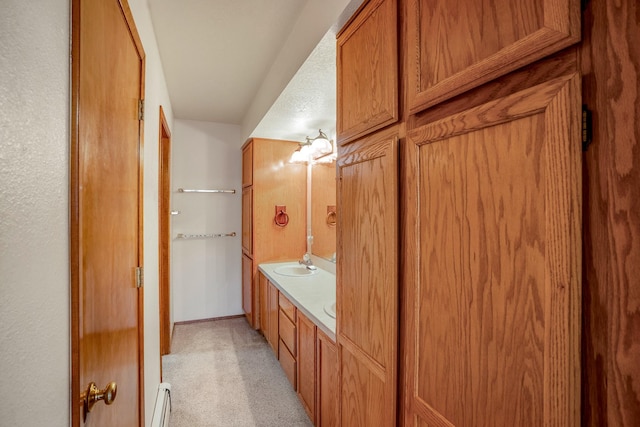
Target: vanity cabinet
{"x": 269, "y": 180}
{"x": 263, "y": 303}
{"x": 287, "y": 347}
{"x": 247, "y": 286}
{"x": 367, "y": 279}
{"x": 327, "y": 392}
{"x": 273, "y": 310}
{"x": 306, "y": 381}
{"x": 269, "y": 311}
{"x": 307, "y": 355}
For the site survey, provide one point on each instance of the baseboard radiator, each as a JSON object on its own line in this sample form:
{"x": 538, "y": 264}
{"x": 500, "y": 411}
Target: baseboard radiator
{"x": 163, "y": 406}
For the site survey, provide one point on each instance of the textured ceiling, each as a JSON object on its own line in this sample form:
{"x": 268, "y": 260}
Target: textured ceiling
{"x": 235, "y": 61}
{"x": 216, "y": 52}
{"x": 308, "y": 103}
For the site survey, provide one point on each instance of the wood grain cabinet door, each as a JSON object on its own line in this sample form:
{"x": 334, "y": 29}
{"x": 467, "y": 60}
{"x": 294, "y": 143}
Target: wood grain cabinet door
{"x": 247, "y": 220}
{"x": 327, "y": 381}
{"x": 247, "y": 288}
{"x": 455, "y": 45}
{"x": 367, "y": 79}
{"x": 272, "y": 313}
{"x": 247, "y": 165}
{"x": 367, "y": 280}
{"x": 306, "y": 331}
{"x": 492, "y": 235}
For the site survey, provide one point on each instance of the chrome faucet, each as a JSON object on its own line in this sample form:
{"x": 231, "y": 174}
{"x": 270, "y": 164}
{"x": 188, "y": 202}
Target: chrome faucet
{"x": 306, "y": 261}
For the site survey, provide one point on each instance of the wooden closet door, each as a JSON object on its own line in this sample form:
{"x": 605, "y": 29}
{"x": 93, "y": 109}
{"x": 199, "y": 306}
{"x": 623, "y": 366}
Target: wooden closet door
{"x": 367, "y": 280}
{"x": 455, "y": 45}
{"x": 492, "y": 263}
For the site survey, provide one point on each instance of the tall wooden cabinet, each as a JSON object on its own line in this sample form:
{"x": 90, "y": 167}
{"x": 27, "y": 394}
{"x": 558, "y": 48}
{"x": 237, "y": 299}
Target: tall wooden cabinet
{"x": 493, "y": 289}
{"x": 367, "y": 274}
{"x": 269, "y": 180}
{"x": 481, "y": 254}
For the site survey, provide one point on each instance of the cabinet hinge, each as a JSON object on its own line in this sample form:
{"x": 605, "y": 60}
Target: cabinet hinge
{"x": 141, "y": 109}
{"x": 139, "y": 277}
{"x": 587, "y": 128}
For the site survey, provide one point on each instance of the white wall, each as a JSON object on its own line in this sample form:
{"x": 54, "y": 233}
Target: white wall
{"x": 34, "y": 230}
{"x": 156, "y": 94}
{"x": 34, "y": 214}
{"x": 206, "y": 273}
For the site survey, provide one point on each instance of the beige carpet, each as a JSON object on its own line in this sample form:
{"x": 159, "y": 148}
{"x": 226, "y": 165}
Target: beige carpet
{"x": 223, "y": 373}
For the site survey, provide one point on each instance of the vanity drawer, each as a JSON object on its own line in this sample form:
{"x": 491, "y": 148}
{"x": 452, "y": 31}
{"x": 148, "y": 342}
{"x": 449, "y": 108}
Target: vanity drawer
{"x": 288, "y": 363}
{"x": 287, "y": 307}
{"x": 287, "y": 332}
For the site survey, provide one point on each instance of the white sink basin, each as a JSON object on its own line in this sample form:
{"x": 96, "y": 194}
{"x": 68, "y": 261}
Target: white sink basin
{"x": 294, "y": 271}
{"x": 330, "y": 309}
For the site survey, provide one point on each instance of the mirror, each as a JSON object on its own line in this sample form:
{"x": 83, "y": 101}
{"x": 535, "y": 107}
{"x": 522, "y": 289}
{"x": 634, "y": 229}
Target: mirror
{"x": 323, "y": 210}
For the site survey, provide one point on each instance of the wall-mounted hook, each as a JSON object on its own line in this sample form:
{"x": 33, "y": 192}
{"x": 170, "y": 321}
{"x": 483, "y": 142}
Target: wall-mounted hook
{"x": 281, "y": 219}
{"x": 331, "y": 215}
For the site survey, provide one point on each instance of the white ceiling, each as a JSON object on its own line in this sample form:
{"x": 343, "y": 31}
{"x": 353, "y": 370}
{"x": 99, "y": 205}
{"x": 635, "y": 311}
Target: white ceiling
{"x": 267, "y": 65}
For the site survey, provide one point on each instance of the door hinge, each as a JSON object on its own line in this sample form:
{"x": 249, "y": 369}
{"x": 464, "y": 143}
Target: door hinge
{"x": 587, "y": 128}
{"x": 141, "y": 109}
{"x": 139, "y": 277}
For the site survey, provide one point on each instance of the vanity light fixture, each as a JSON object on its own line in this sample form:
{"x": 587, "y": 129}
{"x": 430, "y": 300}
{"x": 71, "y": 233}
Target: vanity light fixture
{"x": 312, "y": 149}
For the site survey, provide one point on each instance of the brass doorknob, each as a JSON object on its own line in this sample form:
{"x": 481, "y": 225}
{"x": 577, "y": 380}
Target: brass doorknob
{"x": 93, "y": 395}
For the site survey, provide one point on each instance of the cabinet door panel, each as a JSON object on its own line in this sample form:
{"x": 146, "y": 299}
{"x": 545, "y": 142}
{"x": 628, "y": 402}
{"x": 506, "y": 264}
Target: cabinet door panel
{"x": 247, "y": 288}
{"x": 307, "y": 364}
{"x": 288, "y": 363}
{"x": 367, "y": 63}
{"x": 247, "y": 165}
{"x": 272, "y": 312}
{"x": 455, "y": 45}
{"x": 367, "y": 279}
{"x": 327, "y": 382}
{"x": 493, "y": 296}
{"x": 264, "y": 304}
{"x": 247, "y": 220}
{"x": 287, "y": 332}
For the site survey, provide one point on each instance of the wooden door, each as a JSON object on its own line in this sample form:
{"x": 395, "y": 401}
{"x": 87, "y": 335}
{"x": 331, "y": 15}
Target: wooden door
{"x": 455, "y": 45}
{"x": 106, "y": 211}
{"x": 492, "y": 262}
{"x": 367, "y": 280}
{"x": 164, "y": 237}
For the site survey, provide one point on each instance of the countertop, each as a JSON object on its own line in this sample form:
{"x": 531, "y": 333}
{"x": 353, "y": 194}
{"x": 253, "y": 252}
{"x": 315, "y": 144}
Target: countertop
{"x": 308, "y": 293}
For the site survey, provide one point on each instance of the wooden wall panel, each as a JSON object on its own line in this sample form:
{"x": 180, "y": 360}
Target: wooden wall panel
{"x": 278, "y": 182}
{"x": 323, "y": 190}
